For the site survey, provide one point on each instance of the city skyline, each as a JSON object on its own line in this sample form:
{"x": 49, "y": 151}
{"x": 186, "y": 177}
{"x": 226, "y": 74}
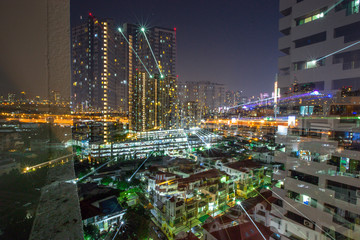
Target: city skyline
{"x": 180, "y": 120}
{"x": 236, "y": 66}
{"x": 226, "y": 64}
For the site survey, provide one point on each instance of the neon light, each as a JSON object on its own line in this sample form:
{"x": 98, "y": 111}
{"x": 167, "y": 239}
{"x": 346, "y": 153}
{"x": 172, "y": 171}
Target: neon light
{"x": 315, "y": 93}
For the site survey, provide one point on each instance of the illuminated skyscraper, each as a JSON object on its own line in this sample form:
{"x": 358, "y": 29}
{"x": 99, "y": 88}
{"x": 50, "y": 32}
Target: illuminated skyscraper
{"x": 152, "y": 78}
{"x": 95, "y": 72}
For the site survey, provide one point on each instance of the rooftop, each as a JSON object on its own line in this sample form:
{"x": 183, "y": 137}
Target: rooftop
{"x": 245, "y": 231}
{"x": 244, "y": 166}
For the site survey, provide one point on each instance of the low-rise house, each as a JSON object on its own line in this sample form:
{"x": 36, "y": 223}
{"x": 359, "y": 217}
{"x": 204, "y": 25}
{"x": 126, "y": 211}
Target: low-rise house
{"x": 247, "y": 175}
{"x": 182, "y": 203}
{"x": 243, "y": 231}
{"x": 103, "y": 213}
{"x": 99, "y": 206}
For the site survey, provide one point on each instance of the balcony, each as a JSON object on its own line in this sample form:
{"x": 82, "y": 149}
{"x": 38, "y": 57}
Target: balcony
{"x": 279, "y": 175}
{"x": 344, "y": 222}
{"x": 285, "y": 4}
{"x": 284, "y": 43}
{"x": 284, "y": 23}
{"x": 284, "y": 62}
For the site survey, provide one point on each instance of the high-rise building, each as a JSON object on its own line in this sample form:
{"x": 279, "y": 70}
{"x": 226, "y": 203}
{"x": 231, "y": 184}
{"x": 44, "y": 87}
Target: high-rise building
{"x": 190, "y": 114}
{"x": 233, "y": 98}
{"x": 209, "y": 96}
{"x": 154, "y": 102}
{"x": 95, "y": 72}
{"x": 152, "y": 77}
{"x": 319, "y": 45}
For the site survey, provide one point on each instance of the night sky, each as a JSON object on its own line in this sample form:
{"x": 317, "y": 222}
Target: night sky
{"x": 230, "y": 42}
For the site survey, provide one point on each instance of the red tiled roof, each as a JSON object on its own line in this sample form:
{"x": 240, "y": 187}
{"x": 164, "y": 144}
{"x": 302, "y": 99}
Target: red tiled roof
{"x": 206, "y": 174}
{"x": 251, "y": 202}
{"x": 271, "y": 200}
{"x": 244, "y": 165}
{"x": 190, "y": 236}
{"x": 221, "y": 220}
{"x": 245, "y": 231}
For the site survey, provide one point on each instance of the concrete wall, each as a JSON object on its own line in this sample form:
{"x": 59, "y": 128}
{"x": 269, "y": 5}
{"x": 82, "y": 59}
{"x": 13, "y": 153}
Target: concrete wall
{"x": 35, "y": 46}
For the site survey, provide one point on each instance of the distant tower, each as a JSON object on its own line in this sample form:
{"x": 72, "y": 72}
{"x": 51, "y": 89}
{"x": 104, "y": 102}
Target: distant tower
{"x": 153, "y": 87}
{"x": 94, "y": 69}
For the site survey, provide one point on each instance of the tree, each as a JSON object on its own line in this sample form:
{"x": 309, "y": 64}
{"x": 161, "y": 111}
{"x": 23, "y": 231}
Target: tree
{"x": 122, "y": 185}
{"x": 106, "y": 180}
{"x": 125, "y": 195}
{"x": 137, "y": 223}
{"x": 91, "y": 232}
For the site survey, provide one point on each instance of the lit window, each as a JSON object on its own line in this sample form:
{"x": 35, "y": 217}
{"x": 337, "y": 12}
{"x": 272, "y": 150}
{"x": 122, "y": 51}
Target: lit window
{"x": 311, "y": 64}
{"x": 310, "y": 18}
{"x": 354, "y": 7}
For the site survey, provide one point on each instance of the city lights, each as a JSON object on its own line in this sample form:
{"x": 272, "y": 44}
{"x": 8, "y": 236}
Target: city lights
{"x": 152, "y": 52}
{"x": 113, "y": 127}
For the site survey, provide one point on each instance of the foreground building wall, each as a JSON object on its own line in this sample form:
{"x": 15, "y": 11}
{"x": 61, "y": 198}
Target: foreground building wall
{"x": 312, "y": 30}
{"x": 318, "y": 189}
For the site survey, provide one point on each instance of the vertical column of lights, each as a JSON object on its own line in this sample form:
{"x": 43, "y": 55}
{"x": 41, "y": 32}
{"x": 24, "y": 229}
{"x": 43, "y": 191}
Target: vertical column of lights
{"x": 143, "y": 100}
{"x": 156, "y": 103}
{"x": 89, "y": 98}
{"x": 130, "y": 82}
{"x": 104, "y": 81}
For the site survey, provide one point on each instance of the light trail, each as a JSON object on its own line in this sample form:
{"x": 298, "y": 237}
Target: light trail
{"x": 47, "y": 163}
{"x": 120, "y": 30}
{"x": 140, "y": 166}
{"x": 332, "y": 7}
{"x": 351, "y": 45}
{"x": 121, "y": 224}
{"x": 279, "y": 212}
{"x": 252, "y": 221}
{"x": 269, "y": 101}
{"x": 157, "y": 65}
{"x": 302, "y": 214}
{"x": 90, "y": 173}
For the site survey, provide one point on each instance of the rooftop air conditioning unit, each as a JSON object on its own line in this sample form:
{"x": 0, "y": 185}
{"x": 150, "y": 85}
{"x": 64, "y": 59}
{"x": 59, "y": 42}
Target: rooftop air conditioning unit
{"x": 308, "y": 224}
{"x": 358, "y": 193}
